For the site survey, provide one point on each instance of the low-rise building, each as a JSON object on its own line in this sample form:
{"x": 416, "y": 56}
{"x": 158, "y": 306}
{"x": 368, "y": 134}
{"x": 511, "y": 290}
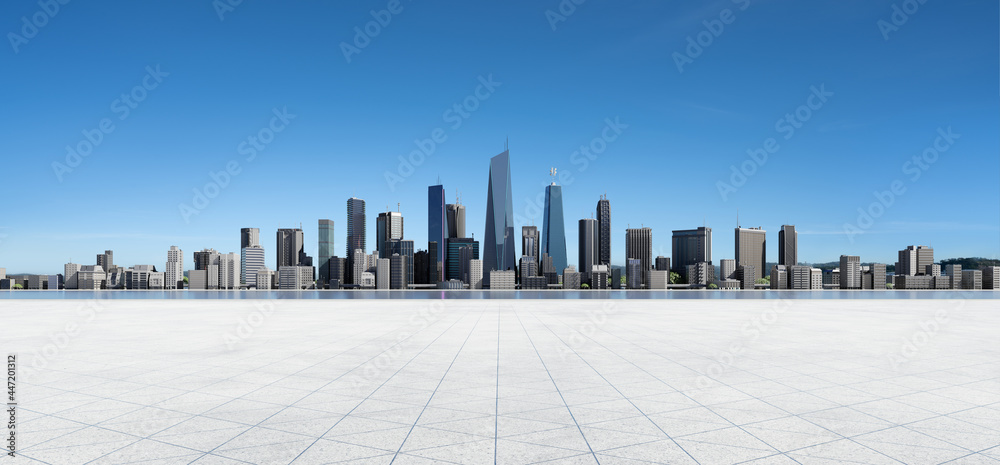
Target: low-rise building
{"x": 502, "y": 280}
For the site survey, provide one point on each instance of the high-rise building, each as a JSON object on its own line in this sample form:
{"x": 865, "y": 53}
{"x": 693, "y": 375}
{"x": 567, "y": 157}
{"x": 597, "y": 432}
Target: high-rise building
{"x": 850, "y": 272}
{"x": 914, "y": 259}
{"x": 700, "y": 274}
{"x": 530, "y": 242}
{"x": 383, "y": 273}
{"x": 249, "y": 237}
{"x": 398, "y": 278}
{"x": 465, "y": 257}
{"x": 751, "y": 248}
{"x": 954, "y": 272}
{"x": 70, "y": 275}
{"x": 588, "y": 248}
{"x": 106, "y": 260}
{"x": 788, "y": 246}
{"x": 604, "y": 231}
{"x": 251, "y": 260}
{"x": 599, "y": 277}
{"x": 498, "y": 242}
{"x": 405, "y": 249}
{"x": 528, "y": 268}
{"x": 435, "y": 267}
{"x": 800, "y": 277}
{"x": 173, "y": 273}
{"x": 639, "y": 245}
{"x": 359, "y": 265}
{"x": 633, "y": 273}
{"x": 355, "y": 234}
{"x": 229, "y": 271}
{"x": 554, "y": 227}
{"x": 437, "y": 217}
{"x": 421, "y": 267}
{"x": 690, "y": 246}
{"x": 991, "y": 277}
{"x": 325, "y": 251}
{"x": 290, "y": 248}
{"x": 388, "y": 227}
{"x": 779, "y": 277}
{"x": 877, "y": 271}
{"x": 727, "y": 267}
{"x": 971, "y": 279}
{"x": 453, "y": 261}
{"x": 476, "y": 274}
{"x": 204, "y": 258}
{"x": 661, "y": 263}
{"x": 455, "y": 220}
{"x": 337, "y": 272}
{"x": 549, "y": 270}
{"x": 571, "y": 278}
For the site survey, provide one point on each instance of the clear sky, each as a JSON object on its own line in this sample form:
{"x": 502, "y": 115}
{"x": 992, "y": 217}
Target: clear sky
{"x": 558, "y": 77}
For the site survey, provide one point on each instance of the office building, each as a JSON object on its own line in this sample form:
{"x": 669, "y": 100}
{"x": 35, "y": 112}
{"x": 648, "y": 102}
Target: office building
{"x": 799, "y": 277}
{"x": 659, "y": 279}
{"x": 70, "y": 275}
{"x": 588, "y": 248}
{"x": 788, "y": 245}
{"x": 501, "y": 280}
{"x": 37, "y": 281}
{"x": 338, "y": 272}
{"x": 455, "y": 220}
{"x": 751, "y": 248}
{"x": 727, "y": 268}
{"x": 476, "y": 274}
{"x": 453, "y": 262}
{"x": 850, "y": 272}
{"x": 197, "y": 280}
{"x": 367, "y": 280}
{"x": 435, "y": 266}
{"x": 549, "y": 270}
{"x": 249, "y": 237}
{"x": 355, "y": 234}
{"x": 913, "y": 260}
{"x": 138, "y": 277}
{"x": 616, "y": 278}
{"x": 571, "y": 278}
{"x": 528, "y": 268}
{"x": 437, "y": 217}
{"x": 295, "y": 277}
{"x": 465, "y": 257}
{"x": 661, "y": 263}
{"x": 690, "y": 246}
{"x": 954, "y": 272}
{"x": 599, "y": 277}
{"x": 634, "y": 273}
{"x": 91, "y": 277}
{"x": 971, "y": 279}
{"x": 747, "y": 276}
{"x": 383, "y": 273}
{"x": 359, "y": 265}
{"x": 251, "y": 260}
{"x": 290, "y": 246}
{"x": 991, "y": 277}
{"x": 700, "y": 274}
{"x": 106, "y": 260}
{"x": 817, "y": 278}
{"x": 324, "y": 251}
{"x": 262, "y": 278}
{"x": 639, "y": 245}
{"x": 498, "y": 242}
{"x": 404, "y": 248}
{"x": 604, "y": 231}
{"x": 530, "y": 242}
{"x": 877, "y": 270}
{"x": 388, "y": 227}
{"x": 399, "y": 278}
{"x": 933, "y": 270}
{"x": 535, "y": 283}
{"x": 173, "y": 274}
{"x": 779, "y": 277}
{"x": 554, "y": 227}
{"x": 205, "y": 257}
{"x": 421, "y": 267}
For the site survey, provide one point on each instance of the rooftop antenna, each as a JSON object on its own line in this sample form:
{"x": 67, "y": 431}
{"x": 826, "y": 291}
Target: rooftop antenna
{"x": 397, "y": 207}
{"x": 737, "y": 218}
{"x": 552, "y": 173}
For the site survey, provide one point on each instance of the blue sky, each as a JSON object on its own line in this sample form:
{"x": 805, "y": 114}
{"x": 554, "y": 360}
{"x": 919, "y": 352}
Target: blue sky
{"x": 221, "y": 80}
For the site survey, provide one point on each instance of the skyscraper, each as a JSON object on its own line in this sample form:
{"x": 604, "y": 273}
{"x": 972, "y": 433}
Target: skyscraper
{"x": 850, "y": 272}
{"x": 249, "y": 237}
{"x": 455, "y": 220}
{"x": 530, "y": 242}
{"x": 788, "y": 246}
{"x": 290, "y": 246}
{"x": 437, "y": 218}
{"x": 498, "y": 243}
{"x": 751, "y": 248}
{"x": 355, "y": 235}
{"x": 251, "y": 261}
{"x": 639, "y": 246}
{"x": 453, "y": 262}
{"x": 106, "y": 260}
{"x": 604, "y": 231}
{"x": 913, "y": 260}
{"x": 388, "y": 227}
{"x": 554, "y": 227}
{"x": 174, "y": 271}
{"x": 690, "y": 247}
{"x": 325, "y": 238}
{"x": 588, "y": 248}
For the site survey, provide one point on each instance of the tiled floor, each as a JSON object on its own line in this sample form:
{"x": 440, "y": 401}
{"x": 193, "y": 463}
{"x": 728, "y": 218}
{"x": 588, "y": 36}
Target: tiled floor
{"x": 512, "y": 382}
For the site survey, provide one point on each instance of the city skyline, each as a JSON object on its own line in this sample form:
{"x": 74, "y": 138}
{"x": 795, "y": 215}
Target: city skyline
{"x": 606, "y": 79}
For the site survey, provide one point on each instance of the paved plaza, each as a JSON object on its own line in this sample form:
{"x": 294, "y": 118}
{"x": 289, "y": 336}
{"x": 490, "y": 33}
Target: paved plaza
{"x": 218, "y": 382}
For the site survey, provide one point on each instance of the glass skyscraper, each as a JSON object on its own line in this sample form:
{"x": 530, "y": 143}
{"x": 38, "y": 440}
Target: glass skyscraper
{"x": 355, "y": 233}
{"x": 325, "y": 251}
{"x": 437, "y": 219}
{"x": 498, "y": 243}
{"x": 554, "y": 228}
